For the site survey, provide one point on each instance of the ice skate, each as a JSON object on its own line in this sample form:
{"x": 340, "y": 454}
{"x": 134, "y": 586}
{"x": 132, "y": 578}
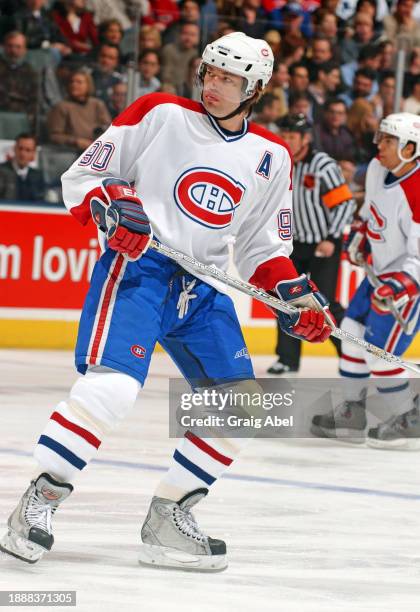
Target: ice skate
{"x": 280, "y": 368}
{"x": 401, "y": 432}
{"x": 171, "y": 537}
{"x": 345, "y": 422}
{"x": 29, "y": 533}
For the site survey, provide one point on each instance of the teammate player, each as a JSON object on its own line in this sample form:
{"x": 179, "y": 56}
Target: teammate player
{"x": 389, "y": 229}
{"x": 202, "y": 172}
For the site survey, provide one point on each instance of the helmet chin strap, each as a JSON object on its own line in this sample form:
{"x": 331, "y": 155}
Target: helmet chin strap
{"x": 403, "y": 160}
{"x": 242, "y": 106}
{"x": 398, "y": 168}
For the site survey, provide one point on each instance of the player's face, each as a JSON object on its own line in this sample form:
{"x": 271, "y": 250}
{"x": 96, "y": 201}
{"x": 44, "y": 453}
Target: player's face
{"x": 222, "y": 91}
{"x": 388, "y": 151}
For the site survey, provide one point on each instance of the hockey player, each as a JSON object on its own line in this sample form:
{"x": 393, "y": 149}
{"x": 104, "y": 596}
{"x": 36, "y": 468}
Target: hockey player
{"x": 389, "y": 229}
{"x": 190, "y": 173}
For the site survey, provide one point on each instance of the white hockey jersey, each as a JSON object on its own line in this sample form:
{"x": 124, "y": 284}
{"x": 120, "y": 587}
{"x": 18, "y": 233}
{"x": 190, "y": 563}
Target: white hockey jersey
{"x": 197, "y": 183}
{"x": 392, "y": 210}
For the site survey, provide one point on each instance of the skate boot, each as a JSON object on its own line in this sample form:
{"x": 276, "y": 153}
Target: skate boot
{"x": 401, "y": 432}
{"x": 29, "y": 533}
{"x": 281, "y": 368}
{"x": 346, "y": 422}
{"x": 171, "y": 537}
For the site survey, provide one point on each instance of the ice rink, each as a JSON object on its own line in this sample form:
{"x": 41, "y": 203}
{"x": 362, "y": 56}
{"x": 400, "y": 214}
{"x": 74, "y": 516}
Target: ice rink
{"x": 311, "y": 525}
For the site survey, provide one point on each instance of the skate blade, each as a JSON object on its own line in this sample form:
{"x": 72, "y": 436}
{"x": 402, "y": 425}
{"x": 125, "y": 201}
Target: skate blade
{"x": 341, "y": 435}
{"x": 404, "y": 444}
{"x": 170, "y": 558}
{"x": 21, "y": 548}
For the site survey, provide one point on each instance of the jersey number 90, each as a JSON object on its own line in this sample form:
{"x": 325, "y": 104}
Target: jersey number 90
{"x": 98, "y": 156}
{"x": 285, "y": 224}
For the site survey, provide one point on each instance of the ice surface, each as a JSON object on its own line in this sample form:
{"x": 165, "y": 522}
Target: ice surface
{"x": 311, "y": 525}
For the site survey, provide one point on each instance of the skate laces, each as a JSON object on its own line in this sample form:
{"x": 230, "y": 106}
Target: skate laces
{"x": 38, "y": 513}
{"x": 187, "y": 524}
{"x": 185, "y": 297}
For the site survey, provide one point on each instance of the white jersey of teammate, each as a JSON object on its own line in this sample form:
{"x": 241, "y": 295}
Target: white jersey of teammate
{"x": 392, "y": 211}
{"x": 198, "y": 184}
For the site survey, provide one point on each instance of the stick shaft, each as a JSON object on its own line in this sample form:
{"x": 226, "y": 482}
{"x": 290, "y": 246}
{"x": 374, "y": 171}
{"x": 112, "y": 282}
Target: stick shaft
{"x": 275, "y": 302}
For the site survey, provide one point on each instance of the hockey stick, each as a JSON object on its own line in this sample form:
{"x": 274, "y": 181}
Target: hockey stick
{"x": 275, "y": 302}
{"x": 408, "y": 328}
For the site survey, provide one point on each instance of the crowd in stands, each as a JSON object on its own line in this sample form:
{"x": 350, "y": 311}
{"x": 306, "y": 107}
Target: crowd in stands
{"x": 65, "y": 65}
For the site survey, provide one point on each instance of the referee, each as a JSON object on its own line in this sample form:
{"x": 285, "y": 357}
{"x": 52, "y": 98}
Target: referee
{"x": 322, "y": 206}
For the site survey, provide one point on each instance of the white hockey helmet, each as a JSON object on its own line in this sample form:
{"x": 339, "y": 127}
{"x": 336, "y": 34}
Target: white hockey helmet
{"x": 405, "y": 127}
{"x": 250, "y": 58}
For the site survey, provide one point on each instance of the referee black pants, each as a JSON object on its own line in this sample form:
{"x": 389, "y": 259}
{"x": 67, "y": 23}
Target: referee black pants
{"x": 323, "y": 271}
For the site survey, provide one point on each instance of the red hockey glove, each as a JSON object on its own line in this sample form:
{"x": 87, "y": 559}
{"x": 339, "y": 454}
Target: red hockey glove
{"x": 399, "y": 287}
{"x": 313, "y": 322}
{"x": 357, "y": 245}
{"x": 121, "y": 216}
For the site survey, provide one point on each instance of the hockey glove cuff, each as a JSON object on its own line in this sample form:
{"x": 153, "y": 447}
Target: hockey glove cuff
{"x": 313, "y": 322}
{"x": 121, "y": 216}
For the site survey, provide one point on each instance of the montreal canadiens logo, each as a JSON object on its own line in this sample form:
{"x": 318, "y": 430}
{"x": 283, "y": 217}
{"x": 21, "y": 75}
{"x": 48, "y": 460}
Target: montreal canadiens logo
{"x": 138, "y": 351}
{"x": 208, "y": 196}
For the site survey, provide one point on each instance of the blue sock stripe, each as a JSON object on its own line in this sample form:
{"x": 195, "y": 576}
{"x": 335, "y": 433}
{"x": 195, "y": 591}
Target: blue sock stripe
{"x": 353, "y": 375}
{"x": 193, "y": 468}
{"x": 393, "y": 389}
{"x": 61, "y": 450}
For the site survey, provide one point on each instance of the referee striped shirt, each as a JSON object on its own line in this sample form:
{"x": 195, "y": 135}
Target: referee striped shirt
{"x": 322, "y": 201}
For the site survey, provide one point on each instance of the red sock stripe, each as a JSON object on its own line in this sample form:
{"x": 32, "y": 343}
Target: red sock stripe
{"x": 387, "y": 372}
{"x": 207, "y": 449}
{"x": 80, "y": 431}
{"x": 353, "y": 359}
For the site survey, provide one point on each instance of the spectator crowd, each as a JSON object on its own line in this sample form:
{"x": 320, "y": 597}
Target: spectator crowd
{"x": 65, "y": 65}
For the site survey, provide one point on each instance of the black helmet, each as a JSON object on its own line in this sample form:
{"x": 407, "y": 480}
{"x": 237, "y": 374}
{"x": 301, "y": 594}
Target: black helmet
{"x": 294, "y": 123}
